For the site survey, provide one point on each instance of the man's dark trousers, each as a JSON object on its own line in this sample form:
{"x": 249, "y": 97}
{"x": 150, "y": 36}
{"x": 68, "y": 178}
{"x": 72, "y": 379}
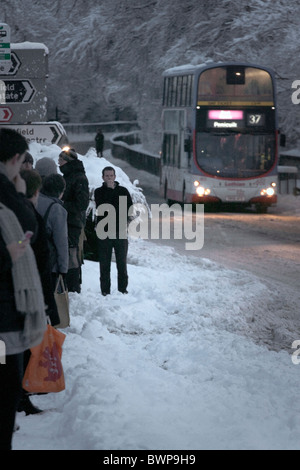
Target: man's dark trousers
{"x": 105, "y": 248}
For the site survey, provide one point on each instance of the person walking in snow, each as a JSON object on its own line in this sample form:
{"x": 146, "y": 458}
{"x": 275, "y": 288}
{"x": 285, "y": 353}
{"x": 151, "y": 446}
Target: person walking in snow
{"x": 76, "y": 200}
{"x": 109, "y": 195}
{"x": 99, "y": 142}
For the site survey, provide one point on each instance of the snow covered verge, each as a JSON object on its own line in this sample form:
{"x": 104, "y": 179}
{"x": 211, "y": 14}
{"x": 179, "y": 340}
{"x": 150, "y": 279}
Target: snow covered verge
{"x": 168, "y": 366}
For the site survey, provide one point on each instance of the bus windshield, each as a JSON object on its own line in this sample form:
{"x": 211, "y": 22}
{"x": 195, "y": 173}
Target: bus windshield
{"x": 234, "y": 84}
{"x": 235, "y": 155}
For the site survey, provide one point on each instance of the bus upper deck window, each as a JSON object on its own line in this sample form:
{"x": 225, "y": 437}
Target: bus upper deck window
{"x": 235, "y": 75}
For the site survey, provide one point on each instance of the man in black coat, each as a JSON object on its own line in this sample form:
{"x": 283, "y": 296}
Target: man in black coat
{"x": 76, "y": 201}
{"x": 113, "y": 234}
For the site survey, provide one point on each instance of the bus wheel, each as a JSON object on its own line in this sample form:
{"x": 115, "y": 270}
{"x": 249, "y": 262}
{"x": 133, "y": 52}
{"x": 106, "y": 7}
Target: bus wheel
{"x": 261, "y": 208}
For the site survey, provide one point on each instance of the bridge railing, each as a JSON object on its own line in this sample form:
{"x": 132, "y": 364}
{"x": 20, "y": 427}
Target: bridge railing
{"x": 92, "y": 127}
{"x": 128, "y": 147}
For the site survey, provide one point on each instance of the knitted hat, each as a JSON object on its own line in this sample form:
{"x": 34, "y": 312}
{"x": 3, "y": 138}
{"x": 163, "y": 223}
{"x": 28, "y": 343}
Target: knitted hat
{"x": 46, "y": 166}
{"x": 68, "y": 154}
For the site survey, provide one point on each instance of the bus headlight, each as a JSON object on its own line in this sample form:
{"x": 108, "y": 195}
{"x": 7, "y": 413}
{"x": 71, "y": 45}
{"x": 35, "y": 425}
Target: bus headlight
{"x": 268, "y": 192}
{"x": 201, "y": 191}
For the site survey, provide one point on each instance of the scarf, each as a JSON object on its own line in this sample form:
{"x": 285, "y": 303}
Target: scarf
{"x": 28, "y": 292}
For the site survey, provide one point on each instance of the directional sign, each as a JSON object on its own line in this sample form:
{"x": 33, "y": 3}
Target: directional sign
{"x": 42, "y": 132}
{"x": 19, "y": 91}
{"x": 5, "y": 114}
{"x": 5, "y": 56}
{"x": 15, "y": 65}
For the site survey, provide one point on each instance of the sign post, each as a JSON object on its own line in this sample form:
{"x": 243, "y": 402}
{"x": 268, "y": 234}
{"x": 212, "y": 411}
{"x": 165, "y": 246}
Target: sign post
{"x": 5, "y": 55}
{"x": 23, "y": 91}
{"x": 23, "y": 86}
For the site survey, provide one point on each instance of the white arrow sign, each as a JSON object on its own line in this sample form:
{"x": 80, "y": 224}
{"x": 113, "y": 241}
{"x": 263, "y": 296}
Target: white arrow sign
{"x": 18, "y": 91}
{"x": 40, "y": 132}
{"x": 29, "y": 91}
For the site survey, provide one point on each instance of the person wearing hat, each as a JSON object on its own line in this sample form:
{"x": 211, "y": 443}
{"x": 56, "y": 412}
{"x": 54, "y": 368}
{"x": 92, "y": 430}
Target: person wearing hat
{"x": 46, "y": 166}
{"x": 76, "y": 201}
{"x": 27, "y": 162}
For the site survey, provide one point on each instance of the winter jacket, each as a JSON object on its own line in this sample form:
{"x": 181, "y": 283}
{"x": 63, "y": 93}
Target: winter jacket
{"x": 10, "y": 319}
{"x": 99, "y": 140}
{"x": 42, "y": 255}
{"x": 57, "y": 231}
{"x": 75, "y": 198}
{"x": 106, "y": 195}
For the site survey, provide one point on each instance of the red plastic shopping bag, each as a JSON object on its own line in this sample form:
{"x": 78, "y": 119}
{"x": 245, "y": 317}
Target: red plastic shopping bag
{"x": 44, "y": 372}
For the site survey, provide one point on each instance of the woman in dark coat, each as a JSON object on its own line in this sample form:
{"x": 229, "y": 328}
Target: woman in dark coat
{"x": 76, "y": 201}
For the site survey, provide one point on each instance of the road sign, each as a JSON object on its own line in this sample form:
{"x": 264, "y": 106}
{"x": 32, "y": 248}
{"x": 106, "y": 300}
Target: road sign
{"x": 5, "y": 114}
{"x": 19, "y": 91}
{"x": 23, "y": 86}
{"x": 15, "y": 65}
{"x": 40, "y": 132}
{"x": 5, "y": 56}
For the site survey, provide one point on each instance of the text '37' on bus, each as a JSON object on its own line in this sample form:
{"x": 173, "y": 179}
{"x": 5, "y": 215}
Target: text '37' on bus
{"x": 220, "y": 135}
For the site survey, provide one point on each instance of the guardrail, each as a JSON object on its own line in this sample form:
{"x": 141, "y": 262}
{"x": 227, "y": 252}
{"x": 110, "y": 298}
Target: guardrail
{"x": 92, "y": 127}
{"x": 128, "y": 147}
